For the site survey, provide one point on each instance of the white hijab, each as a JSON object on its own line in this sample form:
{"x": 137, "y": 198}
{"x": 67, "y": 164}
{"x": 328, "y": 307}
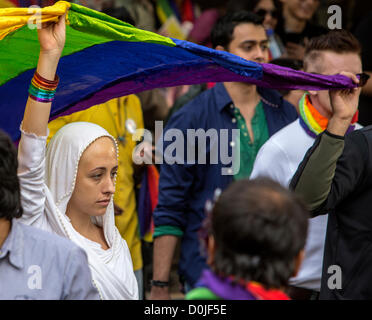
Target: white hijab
{"x": 112, "y": 269}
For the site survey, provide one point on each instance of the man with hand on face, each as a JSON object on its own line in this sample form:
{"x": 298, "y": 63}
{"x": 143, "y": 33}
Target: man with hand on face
{"x": 335, "y": 178}
{"x": 279, "y": 157}
{"x": 184, "y": 188}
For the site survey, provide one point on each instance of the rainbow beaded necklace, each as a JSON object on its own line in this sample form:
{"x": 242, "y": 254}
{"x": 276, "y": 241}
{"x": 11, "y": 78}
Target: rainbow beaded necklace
{"x": 312, "y": 121}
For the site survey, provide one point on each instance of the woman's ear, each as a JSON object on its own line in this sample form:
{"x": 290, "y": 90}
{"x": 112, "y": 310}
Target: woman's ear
{"x": 211, "y": 249}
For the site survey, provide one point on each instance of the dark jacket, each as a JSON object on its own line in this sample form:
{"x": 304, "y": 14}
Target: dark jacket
{"x": 346, "y": 182}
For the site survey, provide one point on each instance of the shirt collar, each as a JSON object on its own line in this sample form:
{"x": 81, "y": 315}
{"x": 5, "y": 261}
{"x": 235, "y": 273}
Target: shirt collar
{"x": 222, "y": 97}
{"x": 14, "y": 245}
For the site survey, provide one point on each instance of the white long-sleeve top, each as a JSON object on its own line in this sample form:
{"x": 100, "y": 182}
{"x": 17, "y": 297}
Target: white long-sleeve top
{"x": 112, "y": 269}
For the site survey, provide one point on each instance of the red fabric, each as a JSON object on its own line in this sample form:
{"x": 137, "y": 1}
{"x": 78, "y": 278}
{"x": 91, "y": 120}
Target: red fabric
{"x": 262, "y": 294}
{"x": 355, "y": 118}
{"x": 187, "y": 11}
{"x": 153, "y": 180}
{"x": 153, "y": 185}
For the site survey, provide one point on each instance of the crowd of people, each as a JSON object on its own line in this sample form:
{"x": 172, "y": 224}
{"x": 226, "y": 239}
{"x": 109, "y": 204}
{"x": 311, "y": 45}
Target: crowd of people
{"x": 267, "y": 225}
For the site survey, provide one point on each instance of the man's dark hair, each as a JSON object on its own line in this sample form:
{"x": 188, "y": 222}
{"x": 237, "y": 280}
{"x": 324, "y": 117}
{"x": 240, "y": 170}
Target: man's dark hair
{"x": 338, "y": 41}
{"x": 259, "y": 229}
{"x": 222, "y": 33}
{"x": 10, "y": 194}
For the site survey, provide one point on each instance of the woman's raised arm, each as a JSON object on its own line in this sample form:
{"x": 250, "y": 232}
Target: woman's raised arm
{"x": 31, "y": 149}
{"x": 52, "y": 41}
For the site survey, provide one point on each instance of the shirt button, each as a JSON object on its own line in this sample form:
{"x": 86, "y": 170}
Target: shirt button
{"x": 233, "y": 120}
{"x": 229, "y": 171}
{"x": 231, "y": 106}
{"x": 232, "y": 144}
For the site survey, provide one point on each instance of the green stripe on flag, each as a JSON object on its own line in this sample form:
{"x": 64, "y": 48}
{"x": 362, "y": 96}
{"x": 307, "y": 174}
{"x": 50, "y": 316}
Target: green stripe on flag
{"x": 19, "y": 50}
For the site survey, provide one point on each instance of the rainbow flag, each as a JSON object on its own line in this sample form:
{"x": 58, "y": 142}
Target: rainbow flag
{"x": 25, "y": 3}
{"x": 105, "y": 58}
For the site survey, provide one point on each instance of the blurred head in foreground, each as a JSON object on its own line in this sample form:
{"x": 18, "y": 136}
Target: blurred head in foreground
{"x": 256, "y": 232}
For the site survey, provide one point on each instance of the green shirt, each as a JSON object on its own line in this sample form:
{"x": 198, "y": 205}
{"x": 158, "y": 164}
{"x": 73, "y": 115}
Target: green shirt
{"x": 248, "y": 153}
{"x": 248, "y": 149}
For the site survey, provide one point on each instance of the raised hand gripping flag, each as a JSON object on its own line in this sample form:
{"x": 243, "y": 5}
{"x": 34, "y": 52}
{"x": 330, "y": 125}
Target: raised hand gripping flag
{"x": 105, "y": 58}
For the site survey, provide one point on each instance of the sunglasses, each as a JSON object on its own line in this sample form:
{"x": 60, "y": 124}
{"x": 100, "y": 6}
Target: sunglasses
{"x": 264, "y": 12}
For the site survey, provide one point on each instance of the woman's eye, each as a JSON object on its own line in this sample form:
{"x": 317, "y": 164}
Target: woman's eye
{"x": 97, "y": 176}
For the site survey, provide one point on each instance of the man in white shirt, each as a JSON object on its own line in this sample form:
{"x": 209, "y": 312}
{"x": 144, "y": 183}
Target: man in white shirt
{"x": 280, "y": 156}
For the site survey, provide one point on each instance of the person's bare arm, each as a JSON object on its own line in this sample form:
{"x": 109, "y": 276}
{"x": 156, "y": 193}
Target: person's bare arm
{"x": 52, "y": 40}
{"x": 31, "y": 150}
{"x": 164, "y": 248}
{"x": 344, "y": 105}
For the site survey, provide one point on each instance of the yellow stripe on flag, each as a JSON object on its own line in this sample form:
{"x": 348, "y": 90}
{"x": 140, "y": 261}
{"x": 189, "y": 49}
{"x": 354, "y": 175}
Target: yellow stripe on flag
{"x": 12, "y": 19}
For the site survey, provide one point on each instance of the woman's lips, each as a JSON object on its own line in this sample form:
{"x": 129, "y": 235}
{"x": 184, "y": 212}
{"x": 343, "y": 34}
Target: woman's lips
{"x": 104, "y": 202}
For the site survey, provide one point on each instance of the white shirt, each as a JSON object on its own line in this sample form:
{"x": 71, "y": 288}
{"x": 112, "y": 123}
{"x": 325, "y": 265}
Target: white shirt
{"x": 279, "y": 159}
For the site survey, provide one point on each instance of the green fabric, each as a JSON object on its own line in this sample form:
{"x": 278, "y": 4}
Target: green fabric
{"x": 201, "y": 293}
{"x": 84, "y": 29}
{"x": 165, "y": 7}
{"x": 248, "y": 149}
{"x": 315, "y": 182}
{"x": 167, "y": 231}
{"x": 97, "y": 23}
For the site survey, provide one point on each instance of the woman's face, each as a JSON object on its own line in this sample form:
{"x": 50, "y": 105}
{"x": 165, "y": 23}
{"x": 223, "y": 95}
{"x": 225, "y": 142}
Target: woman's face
{"x": 266, "y": 9}
{"x": 301, "y": 9}
{"x": 95, "y": 180}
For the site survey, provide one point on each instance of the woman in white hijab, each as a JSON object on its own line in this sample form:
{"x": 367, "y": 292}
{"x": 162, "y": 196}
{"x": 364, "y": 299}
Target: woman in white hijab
{"x": 67, "y": 188}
